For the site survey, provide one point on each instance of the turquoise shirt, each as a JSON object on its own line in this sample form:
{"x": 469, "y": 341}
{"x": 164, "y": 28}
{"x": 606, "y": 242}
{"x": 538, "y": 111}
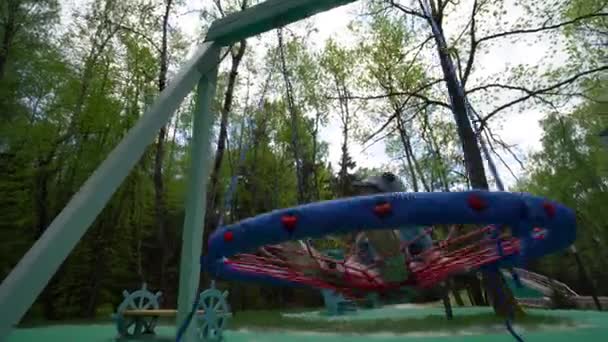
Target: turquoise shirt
{"x": 411, "y": 232}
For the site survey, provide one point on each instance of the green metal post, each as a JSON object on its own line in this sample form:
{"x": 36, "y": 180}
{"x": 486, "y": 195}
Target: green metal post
{"x": 192, "y": 237}
{"x": 25, "y": 282}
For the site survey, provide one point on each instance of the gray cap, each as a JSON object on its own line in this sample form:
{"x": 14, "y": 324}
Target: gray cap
{"x": 386, "y": 182}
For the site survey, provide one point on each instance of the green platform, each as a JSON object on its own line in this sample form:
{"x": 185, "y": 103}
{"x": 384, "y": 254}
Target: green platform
{"x": 590, "y": 326}
{"x": 523, "y": 291}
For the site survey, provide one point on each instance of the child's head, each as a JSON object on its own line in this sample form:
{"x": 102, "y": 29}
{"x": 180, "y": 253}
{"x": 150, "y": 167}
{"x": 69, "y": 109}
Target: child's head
{"x": 385, "y": 182}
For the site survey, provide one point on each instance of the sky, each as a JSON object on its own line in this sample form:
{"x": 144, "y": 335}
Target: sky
{"x": 521, "y": 129}
{"x": 330, "y": 24}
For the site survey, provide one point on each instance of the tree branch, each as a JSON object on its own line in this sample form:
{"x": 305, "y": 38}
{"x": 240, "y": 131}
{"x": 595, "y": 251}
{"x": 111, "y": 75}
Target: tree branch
{"x": 498, "y": 85}
{"x": 397, "y": 110}
{"x": 391, "y": 131}
{"x": 575, "y": 94}
{"x": 418, "y": 96}
{"x": 419, "y": 49}
{"x": 218, "y": 4}
{"x": 386, "y": 123}
{"x": 407, "y": 10}
{"x": 510, "y": 87}
{"x": 467, "y": 69}
{"x": 499, "y": 156}
{"x": 542, "y": 28}
{"x": 415, "y": 94}
{"x": 140, "y": 34}
{"x": 434, "y": 11}
{"x": 443, "y": 5}
{"x": 458, "y": 63}
{"x": 496, "y": 139}
{"x": 534, "y": 93}
{"x": 376, "y": 12}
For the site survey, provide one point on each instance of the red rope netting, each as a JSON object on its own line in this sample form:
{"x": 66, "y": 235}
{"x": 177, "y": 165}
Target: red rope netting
{"x": 446, "y": 258}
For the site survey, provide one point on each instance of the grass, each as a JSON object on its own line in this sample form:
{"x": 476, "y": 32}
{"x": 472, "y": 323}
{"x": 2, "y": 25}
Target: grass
{"x": 272, "y": 320}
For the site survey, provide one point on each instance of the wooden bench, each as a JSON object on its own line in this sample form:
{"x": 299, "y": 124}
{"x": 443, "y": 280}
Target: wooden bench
{"x": 138, "y": 313}
{"x": 156, "y": 313}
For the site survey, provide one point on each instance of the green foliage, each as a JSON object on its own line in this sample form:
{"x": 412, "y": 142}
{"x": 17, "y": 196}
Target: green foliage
{"x": 572, "y": 168}
{"x": 339, "y": 74}
{"x": 424, "y": 144}
{"x": 587, "y": 38}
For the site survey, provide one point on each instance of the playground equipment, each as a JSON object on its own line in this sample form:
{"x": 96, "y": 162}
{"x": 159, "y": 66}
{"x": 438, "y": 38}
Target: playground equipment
{"x": 336, "y": 304}
{"x": 134, "y": 316}
{"x": 543, "y": 285}
{"x": 537, "y": 227}
{"x": 538, "y": 291}
{"x": 26, "y": 281}
{"x": 138, "y": 313}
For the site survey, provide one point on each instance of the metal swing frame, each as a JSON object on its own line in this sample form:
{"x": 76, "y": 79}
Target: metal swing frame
{"x": 26, "y": 281}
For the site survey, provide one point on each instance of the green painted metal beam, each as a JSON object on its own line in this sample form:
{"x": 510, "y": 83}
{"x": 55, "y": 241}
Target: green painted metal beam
{"x": 25, "y": 282}
{"x": 266, "y": 16}
{"x": 192, "y": 237}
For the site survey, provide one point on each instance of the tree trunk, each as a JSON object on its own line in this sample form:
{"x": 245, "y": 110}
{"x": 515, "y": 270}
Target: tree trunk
{"x": 42, "y": 202}
{"x": 97, "y": 276}
{"x": 585, "y": 278}
{"x": 500, "y": 296}
{"x": 473, "y": 165}
{"x": 315, "y": 173}
{"x": 134, "y": 222}
{"x": 344, "y": 164}
{"x": 43, "y": 218}
{"x": 470, "y": 296}
{"x": 9, "y": 31}
{"x": 405, "y": 142}
{"x": 457, "y": 297}
{"x": 455, "y": 288}
{"x": 214, "y": 193}
{"x": 474, "y": 289}
{"x": 435, "y": 150}
{"x": 105, "y": 236}
{"x": 447, "y": 305}
{"x": 472, "y": 154}
{"x": 42, "y": 221}
{"x": 345, "y": 118}
{"x": 294, "y": 120}
{"x": 258, "y": 130}
{"x": 253, "y": 172}
{"x": 172, "y": 143}
{"x": 159, "y": 186}
{"x": 417, "y": 167}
